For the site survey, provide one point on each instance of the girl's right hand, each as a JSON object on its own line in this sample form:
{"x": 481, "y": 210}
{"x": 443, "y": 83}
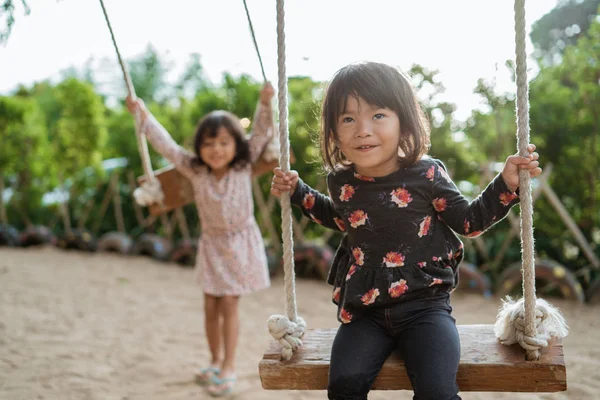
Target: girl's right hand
{"x": 135, "y": 105}
{"x": 283, "y": 182}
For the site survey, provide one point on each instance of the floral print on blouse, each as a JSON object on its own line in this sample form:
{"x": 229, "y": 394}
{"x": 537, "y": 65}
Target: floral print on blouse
{"x": 401, "y": 231}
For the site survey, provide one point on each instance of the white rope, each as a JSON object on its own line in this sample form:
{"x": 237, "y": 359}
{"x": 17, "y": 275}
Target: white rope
{"x": 271, "y": 152}
{"x": 526, "y": 321}
{"x": 288, "y": 330}
{"x": 150, "y": 191}
{"x": 262, "y": 68}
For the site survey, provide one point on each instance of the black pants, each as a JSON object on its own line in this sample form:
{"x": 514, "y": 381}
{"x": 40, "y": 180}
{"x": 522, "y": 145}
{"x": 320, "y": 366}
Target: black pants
{"x": 424, "y": 333}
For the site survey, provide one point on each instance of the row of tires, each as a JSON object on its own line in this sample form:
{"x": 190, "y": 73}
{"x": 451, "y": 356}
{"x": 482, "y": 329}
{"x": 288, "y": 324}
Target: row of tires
{"x": 157, "y": 247}
{"x": 310, "y": 261}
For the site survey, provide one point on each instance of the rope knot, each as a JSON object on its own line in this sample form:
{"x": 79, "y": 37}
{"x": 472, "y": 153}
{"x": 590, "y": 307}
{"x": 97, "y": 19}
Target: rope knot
{"x": 149, "y": 192}
{"x": 510, "y": 324}
{"x": 287, "y": 333}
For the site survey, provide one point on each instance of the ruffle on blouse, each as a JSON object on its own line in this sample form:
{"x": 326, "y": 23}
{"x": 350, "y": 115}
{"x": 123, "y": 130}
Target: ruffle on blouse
{"x": 357, "y": 288}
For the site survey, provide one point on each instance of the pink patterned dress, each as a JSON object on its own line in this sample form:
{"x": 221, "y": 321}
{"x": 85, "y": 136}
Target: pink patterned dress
{"x": 231, "y": 257}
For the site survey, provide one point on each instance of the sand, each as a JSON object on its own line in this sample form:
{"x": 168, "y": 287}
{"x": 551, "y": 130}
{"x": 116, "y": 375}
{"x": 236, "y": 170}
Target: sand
{"x": 86, "y": 326}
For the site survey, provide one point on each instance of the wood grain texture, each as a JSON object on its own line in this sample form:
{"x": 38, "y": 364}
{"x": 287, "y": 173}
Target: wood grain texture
{"x": 485, "y": 365}
{"x": 176, "y": 188}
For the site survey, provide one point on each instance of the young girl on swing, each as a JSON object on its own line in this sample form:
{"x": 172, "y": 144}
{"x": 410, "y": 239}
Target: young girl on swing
{"x": 397, "y": 264}
{"x": 231, "y": 257}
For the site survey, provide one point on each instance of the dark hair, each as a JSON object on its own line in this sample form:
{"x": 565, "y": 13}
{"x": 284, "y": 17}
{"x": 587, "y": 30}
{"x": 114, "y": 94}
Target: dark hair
{"x": 208, "y": 127}
{"x": 380, "y": 85}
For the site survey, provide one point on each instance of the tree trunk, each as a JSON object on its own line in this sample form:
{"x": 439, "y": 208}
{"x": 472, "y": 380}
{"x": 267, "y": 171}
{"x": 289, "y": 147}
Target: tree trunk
{"x": 64, "y": 208}
{"x": 594, "y": 157}
{"x": 3, "y": 217}
{"x": 182, "y": 223}
{"x": 117, "y": 205}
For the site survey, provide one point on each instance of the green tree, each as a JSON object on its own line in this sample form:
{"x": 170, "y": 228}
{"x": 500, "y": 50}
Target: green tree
{"x": 78, "y": 135}
{"x": 148, "y": 75}
{"x": 23, "y": 156}
{"x": 564, "y": 108}
{"x": 445, "y": 142}
{"x": 193, "y": 78}
{"x": 562, "y": 27}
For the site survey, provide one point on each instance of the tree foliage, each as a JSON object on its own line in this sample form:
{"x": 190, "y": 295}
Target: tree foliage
{"x": 562, "y": 27}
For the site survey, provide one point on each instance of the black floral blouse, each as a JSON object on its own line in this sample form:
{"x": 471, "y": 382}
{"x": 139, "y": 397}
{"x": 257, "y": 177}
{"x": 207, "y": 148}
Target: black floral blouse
{"x": 401, "y": 241}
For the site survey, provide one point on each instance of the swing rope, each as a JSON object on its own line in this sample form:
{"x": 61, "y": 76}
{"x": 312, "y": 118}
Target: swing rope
{"x": 271, "y": 152}
{"x": 262, "y": 68}
{"x": 287, "y": 330}
{"x": 150, "y": 191}
{"x": 528, "y": 321}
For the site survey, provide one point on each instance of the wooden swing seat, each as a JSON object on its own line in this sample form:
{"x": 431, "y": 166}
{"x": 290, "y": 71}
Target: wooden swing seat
{"x": 485, "y": 365}
{"x": 178, "y": 189}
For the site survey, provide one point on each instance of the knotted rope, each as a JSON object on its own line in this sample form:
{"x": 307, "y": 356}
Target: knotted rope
{"x": 528, "y": 321}
{"x": 150, "y": 191}
{"x": 288, "y": 330}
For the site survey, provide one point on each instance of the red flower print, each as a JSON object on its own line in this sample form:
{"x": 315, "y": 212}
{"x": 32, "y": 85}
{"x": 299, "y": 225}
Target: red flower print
{"x": 439, "y": 204}
{"x": 507, "y": 197}
{"x": 369, "y": 297}
{"x": 401, "y": 197}
{"x": 436, "y": 281}
{"x": 309, "y": 201}
{"x": 444, "y": 174}
{"x": 363, "y": 178}
{"x": 340, "y": 224}
{"x": 317, "y": 220}
{"x": 435, "y": 258}
{"x": 336, "y": 295}
{"x": 351, "y": 271}
{"x": 347, "y": 192}
{"x": 422, "y": 264}
{"x": 467, "y": 226}
{"x": 424, "y": 227}
{"x": 430, "y": 173}
{"x": 357, "y": 218}
{"x": 393, "y": 259}
{"x": 398, "y": 288}
{"x": 345, "y": 316}
{"x": 474, "y": 234}
{"x": 359, "y": 256}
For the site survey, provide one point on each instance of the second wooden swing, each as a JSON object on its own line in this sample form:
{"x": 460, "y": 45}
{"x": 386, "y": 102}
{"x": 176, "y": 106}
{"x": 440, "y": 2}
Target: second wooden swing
{"x": 167, "y": 189}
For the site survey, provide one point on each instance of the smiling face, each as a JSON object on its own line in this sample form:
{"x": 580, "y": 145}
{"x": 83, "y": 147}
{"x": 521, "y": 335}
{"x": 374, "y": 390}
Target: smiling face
{"x": 369, "y": 137}
{"x": 219, "y": 151}
{"x": 382, "y": 109}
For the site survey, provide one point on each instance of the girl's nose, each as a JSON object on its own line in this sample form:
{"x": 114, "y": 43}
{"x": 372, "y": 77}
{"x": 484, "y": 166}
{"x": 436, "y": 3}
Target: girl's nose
{"x": 364, "y": 129}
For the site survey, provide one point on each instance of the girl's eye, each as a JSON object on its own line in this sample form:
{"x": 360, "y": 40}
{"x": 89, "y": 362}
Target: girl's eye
{"x": 347, "y": 120}
{"x": 378, "y": 116}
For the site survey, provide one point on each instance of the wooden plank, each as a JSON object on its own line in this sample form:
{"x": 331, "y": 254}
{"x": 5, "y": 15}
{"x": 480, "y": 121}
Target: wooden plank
{"x": 176, "y": 188}
{"x": 485, "y": 365}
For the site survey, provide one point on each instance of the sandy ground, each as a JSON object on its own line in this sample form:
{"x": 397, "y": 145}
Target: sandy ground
{"x": 108, "y": 327}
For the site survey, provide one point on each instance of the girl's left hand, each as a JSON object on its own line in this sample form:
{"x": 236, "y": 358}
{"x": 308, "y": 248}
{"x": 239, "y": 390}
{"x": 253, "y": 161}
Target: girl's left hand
{"x": 266, "y": 93}
{"x": 514, "y": 163}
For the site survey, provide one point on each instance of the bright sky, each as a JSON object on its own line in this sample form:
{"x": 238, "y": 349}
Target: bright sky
{"x": 463, "y": 39}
